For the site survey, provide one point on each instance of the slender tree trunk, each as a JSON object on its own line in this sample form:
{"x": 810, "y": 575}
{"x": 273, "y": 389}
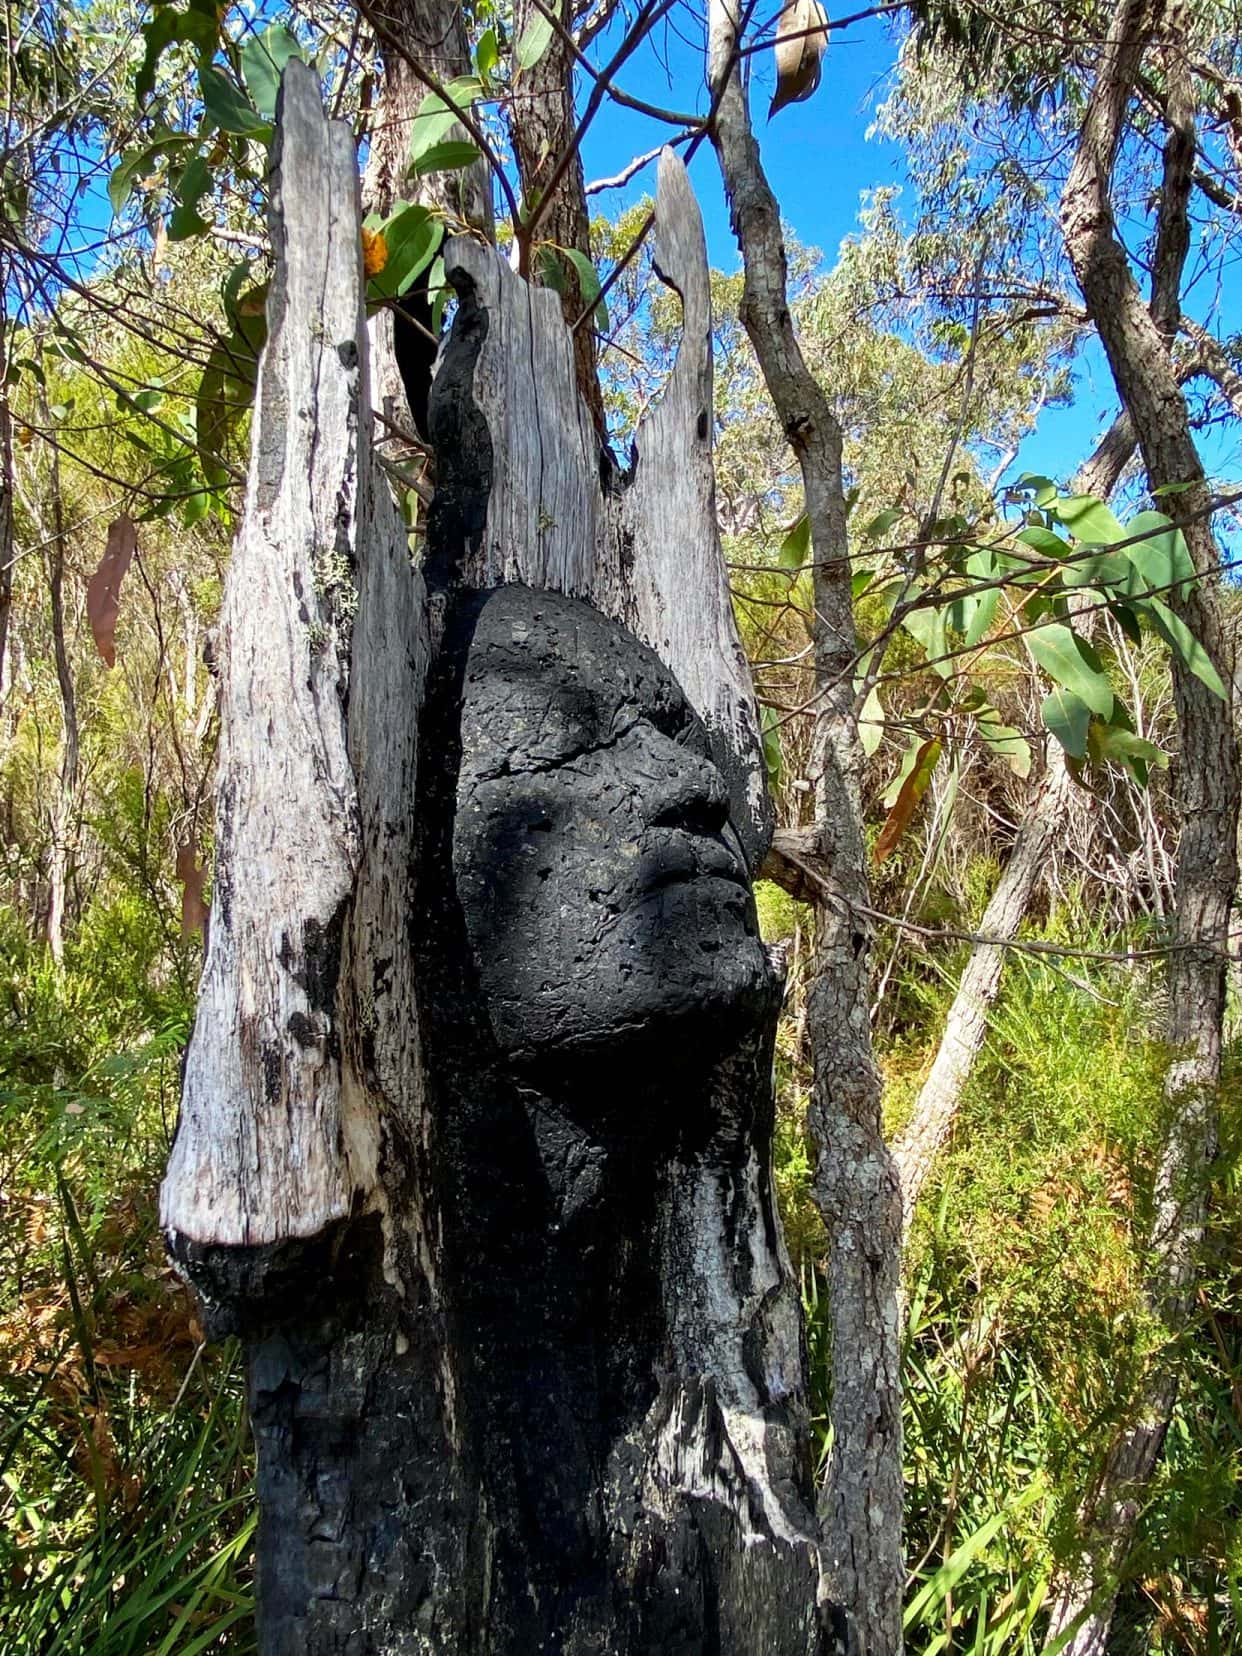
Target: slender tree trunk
{"x": 966, "y": 1025}
{"x": 855, "y": 1183}
{"x": 1207, "y": 786}
{"x": 6, "y": 486}
{"x": 429, "y": 35}
{"x": 64, "y": 809}
{"x": 414, "y": 35}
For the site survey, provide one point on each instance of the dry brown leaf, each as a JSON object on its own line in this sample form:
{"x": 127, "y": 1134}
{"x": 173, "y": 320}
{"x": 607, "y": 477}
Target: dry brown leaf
{"x": 194, "y": 910}
{"x": 801, "y": 40}
{"x": 103, "y": 594}
{"x": 912, "y": 790}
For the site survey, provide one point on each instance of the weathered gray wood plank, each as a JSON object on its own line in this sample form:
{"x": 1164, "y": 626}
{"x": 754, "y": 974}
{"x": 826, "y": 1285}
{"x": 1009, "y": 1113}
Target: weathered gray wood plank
{"x": 277, "y": 1138}
{"x": 680, "y": 584}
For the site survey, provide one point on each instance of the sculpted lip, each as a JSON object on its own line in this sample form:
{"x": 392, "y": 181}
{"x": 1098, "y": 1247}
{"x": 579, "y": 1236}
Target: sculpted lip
{"x": 678, "y": 856}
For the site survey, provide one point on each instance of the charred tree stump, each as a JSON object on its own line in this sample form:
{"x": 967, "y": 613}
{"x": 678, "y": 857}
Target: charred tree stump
{"x": 474, "y": 1149}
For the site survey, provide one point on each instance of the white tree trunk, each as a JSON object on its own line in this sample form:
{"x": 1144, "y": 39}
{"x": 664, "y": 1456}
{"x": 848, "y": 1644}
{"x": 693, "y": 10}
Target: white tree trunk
{"x": 856, "y": 1184}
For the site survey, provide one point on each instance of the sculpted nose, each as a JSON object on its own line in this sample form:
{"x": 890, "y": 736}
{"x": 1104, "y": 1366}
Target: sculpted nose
{"x": 686, "y": 791}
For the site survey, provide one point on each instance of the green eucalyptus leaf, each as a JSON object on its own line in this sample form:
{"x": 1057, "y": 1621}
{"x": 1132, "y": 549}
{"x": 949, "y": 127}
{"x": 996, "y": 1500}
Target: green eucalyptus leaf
{"x": 436, "y": 117}
{"x": 1128, "y": 622}
{"x": 796, "y": 546}
{"x": 195, "y": 507}
{"x": 882, "y": 523}
{"x": 226, "y": 392}
{"x": 412, "y": 235}
{"x": 1042, "y": 540}
{"x": 1185, "y": 645}
{"x": 437, "y": 283}
{"x": 981, "y": 566}
{"x": 231, "y": 287}
{"x": 134, "y": 163}
{"x": 772, "y": 756}
{"x": 193, "y": 184}
{"x": 1089, "y": 520}
{"x": 1110, "y": 571}
{"x": 871, "y": 713}
{"x": 199, "y": 26}
{"x": 449, "y": 155}
{"x": 263, "y": 58}
{"x": 871, "y": 721}
{"x": 1043, "y": 488}
{"x": 1112, "y": 742}
{"x": 536, "y": 38}
{"x": 961, "y": 612}
{"x": 1069, "y": 719}
{"x": 227, "y": 106}
{"x": 487, "y": 55}
{"x": 1071, "y": 664}
{"x": 589, "y": 285}
{"x": 1161, "y": 558}
{"x": 1006, "y": 742}
{"x": 928, "y": 627}
{"x": 985, "y": 613}
{"x": 549, "y": 270}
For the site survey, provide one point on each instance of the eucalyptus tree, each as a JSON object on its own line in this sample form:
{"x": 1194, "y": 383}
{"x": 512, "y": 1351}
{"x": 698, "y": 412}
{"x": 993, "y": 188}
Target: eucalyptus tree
{"x": 1105, "y": 121}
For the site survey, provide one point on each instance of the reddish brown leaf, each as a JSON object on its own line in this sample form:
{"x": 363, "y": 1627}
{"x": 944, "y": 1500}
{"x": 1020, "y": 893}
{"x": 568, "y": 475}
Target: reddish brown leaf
{"x": 103, "y": 594}
{"x": 194, "y": 910}
{"x": 912, "y": 790}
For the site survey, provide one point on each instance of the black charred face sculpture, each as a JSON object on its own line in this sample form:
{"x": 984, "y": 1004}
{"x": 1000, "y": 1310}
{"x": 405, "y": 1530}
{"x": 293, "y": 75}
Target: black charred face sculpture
{"x": 606, "y": 899}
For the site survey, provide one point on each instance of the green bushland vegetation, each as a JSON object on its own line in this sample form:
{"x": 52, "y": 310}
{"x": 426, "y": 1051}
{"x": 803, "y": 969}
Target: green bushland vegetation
{"x": 944, "y": 326}
{"x": 124, "y": 1459}
{"x": 1025, "y": 1319}
{"x": 125, "y": 1467}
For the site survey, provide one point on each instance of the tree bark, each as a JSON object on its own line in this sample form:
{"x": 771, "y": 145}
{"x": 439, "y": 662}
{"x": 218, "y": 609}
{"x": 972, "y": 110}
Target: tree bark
{"x": 1207, "y": 794}
{"x": 1213, "y": 361}
{"x": 64, "y": 807}
{"x": 524, "y": 1348}
{"x": 432, "y": 35}
{"x": 855, "y": 1183}
{"x": 429, "y": 35}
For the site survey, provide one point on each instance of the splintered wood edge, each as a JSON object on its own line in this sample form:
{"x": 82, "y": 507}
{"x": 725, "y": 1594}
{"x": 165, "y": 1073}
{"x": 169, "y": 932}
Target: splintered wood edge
{"x": 649, "y": 554}
{"x": 679, "y": 567}
{"x": 271, "y": 1144}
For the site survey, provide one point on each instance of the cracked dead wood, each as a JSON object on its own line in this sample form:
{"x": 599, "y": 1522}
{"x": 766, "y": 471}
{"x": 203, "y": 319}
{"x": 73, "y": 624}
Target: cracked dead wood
{"x": 525, "y": 1360}
{"x": 1136, "y": 343}
{"x": 855, "y": 1183}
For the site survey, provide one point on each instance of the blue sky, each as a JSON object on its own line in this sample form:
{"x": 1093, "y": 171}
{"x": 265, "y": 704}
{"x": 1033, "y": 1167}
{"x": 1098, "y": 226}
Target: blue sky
{"x": 820, "y": 160}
